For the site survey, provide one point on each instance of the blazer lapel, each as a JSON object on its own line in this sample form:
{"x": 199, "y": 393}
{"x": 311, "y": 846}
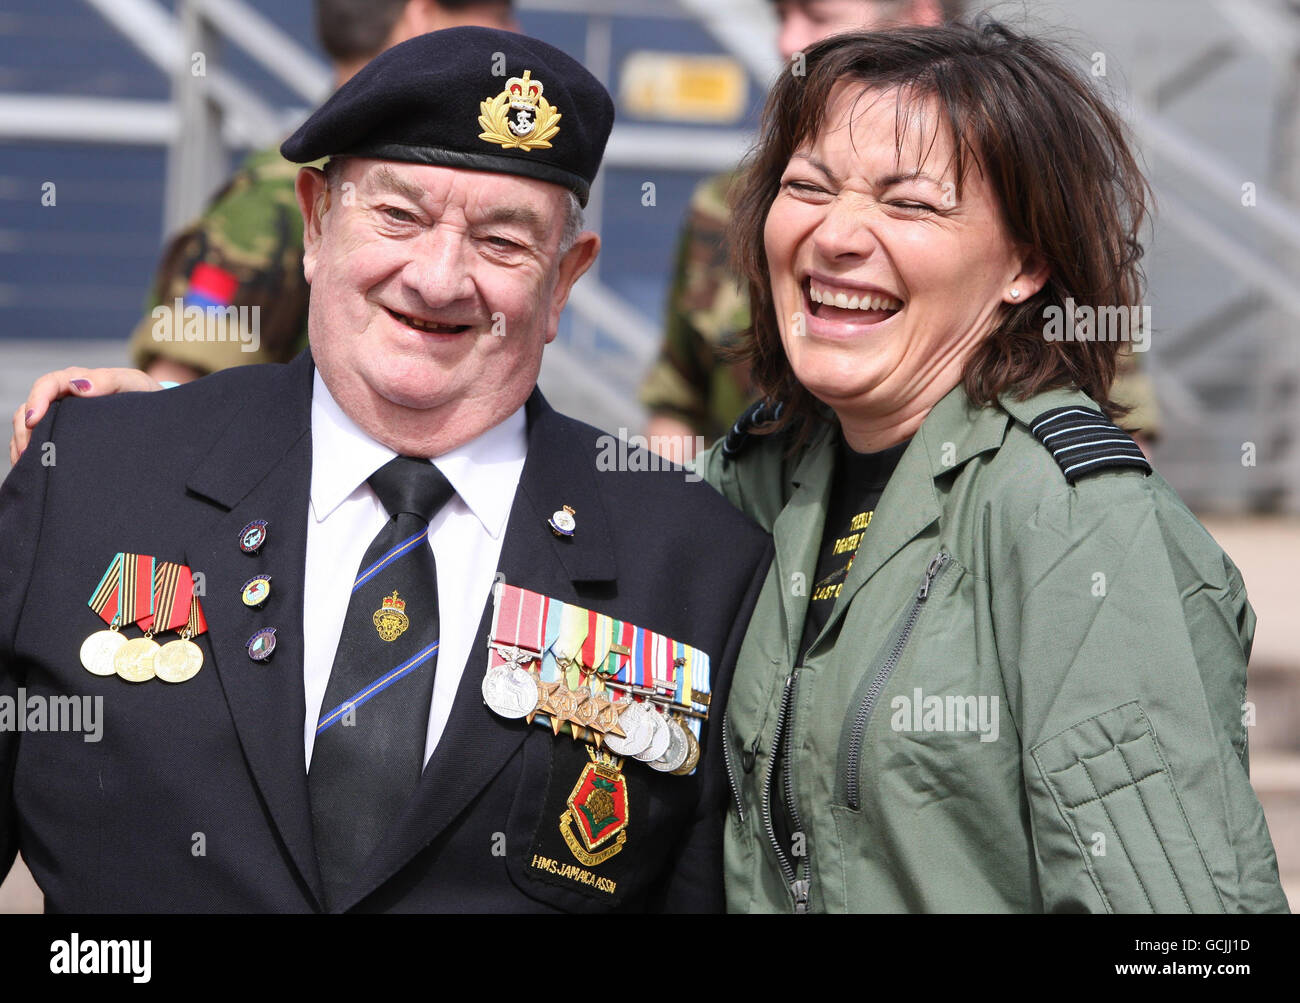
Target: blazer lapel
{"x": 262, "y": 470}
{"x": 477, "y": 744}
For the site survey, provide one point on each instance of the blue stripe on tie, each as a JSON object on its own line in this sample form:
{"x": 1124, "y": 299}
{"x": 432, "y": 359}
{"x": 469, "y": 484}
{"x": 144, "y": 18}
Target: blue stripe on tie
{"x": 378, "y": 686}
{"x": 389, "y": 557}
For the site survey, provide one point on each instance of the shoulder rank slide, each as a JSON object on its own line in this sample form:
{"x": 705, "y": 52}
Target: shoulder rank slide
{"x": 1084, "y": 442}
{"x": 759, "y": 413}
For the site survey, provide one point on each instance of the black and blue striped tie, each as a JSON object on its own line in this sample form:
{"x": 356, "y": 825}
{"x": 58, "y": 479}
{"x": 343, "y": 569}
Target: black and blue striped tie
{"x": 369, "y": 748}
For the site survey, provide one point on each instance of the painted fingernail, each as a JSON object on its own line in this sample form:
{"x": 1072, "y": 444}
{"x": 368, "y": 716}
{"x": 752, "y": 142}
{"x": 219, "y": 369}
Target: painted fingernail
{"x": 82, "y": 385}
{"x": 28, "y": 416}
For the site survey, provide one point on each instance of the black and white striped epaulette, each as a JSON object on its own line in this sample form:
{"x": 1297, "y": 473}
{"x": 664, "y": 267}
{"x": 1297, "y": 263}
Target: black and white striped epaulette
{"x": 1084, "y": 441}
{"x": 759, "y": 413}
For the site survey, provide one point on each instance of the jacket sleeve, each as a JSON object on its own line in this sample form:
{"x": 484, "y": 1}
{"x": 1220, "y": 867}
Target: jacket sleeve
{"x": 22, "y": 498}
{"x": 1123, "y": 647}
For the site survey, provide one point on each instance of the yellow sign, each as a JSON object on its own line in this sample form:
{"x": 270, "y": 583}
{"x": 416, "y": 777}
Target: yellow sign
{"x": 684, "y": 88}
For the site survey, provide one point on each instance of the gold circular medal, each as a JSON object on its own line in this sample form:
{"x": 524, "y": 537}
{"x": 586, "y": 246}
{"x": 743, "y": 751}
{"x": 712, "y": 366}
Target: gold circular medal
{"x": 98, "y": 649}
{"x": 134, "y": 661}
{"x": 692, "y": 753}
{"x": 178, "y": 661}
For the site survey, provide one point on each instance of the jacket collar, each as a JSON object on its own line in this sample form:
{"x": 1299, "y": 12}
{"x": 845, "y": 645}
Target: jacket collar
{"x": 1027, "y": 410}
{"x": 952, "y": 434}
{"x": 483, "y": 471}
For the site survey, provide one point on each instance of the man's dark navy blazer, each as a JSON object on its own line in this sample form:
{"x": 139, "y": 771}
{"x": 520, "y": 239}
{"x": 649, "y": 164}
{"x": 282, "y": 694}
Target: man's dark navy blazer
{"x": 196, "y": 797}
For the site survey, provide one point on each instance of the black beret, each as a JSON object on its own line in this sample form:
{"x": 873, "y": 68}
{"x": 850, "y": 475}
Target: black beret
{"x": 469, "y": 97}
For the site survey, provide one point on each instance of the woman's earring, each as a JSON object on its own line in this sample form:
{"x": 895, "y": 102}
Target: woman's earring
{"x": 1015, "y": 294}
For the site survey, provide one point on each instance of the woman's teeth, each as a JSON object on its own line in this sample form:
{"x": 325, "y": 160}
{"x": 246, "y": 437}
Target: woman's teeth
{"x": 854, "y": 301}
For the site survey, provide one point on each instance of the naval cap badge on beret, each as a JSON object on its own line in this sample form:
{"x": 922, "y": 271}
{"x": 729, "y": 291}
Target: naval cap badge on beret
{"x": 470, "y": 97}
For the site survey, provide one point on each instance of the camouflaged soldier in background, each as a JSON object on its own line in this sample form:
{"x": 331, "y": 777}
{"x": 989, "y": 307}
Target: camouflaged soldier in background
{"x": 246, "y": 250}
{"x": 694, "y": 381}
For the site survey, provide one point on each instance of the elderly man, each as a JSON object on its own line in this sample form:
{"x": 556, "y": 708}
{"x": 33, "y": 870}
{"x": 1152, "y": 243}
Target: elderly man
{"x": 342, "y": 717}
{"x": 245, "y": 250}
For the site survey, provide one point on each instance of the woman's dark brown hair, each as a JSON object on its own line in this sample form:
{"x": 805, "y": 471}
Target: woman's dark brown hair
{"x": 1054, "y": 154}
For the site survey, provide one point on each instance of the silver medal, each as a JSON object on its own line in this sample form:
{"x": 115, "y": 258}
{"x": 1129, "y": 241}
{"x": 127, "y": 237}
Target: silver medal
{"x": 675, "y": 754}
{"x": 634, "y": 719}
{"x": 658, "y": 742}
{"x": 512, "y": 693}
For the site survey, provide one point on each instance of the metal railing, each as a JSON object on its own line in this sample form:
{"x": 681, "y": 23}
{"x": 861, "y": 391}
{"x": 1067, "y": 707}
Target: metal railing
{"x": 211, "y": 113}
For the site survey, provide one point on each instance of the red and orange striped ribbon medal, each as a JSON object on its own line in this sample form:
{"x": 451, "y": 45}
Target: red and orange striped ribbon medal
{"x": 177, "y": 608}
{"x": 123, "y": 596}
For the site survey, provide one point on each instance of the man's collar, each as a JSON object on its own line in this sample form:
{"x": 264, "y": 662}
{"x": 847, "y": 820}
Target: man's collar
{"x": 484, "y": 471}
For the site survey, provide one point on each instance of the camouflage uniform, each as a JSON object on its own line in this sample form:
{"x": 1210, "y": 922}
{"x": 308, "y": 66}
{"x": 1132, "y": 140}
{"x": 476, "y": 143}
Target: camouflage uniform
{"x": 692, "y": 380}
{"x": 707, "y": 311}
{"x": 251, "y": 235}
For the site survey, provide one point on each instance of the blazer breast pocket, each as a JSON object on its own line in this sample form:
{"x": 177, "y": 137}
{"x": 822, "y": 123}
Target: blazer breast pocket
{"x": 588, "y": 831}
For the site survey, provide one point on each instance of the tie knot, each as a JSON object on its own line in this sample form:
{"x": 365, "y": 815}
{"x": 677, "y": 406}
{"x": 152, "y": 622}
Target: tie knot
{"x": 410, "y": 484}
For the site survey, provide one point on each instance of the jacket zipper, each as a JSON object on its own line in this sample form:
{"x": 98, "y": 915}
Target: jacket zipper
{"x": 854, "y": 761}
{"x": 730, "y": 765}
{"x": 799, "y": 886}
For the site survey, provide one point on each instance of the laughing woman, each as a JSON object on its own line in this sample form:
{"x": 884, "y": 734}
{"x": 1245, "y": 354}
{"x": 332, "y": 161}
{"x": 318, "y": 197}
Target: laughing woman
{"x": 997, "y": 666}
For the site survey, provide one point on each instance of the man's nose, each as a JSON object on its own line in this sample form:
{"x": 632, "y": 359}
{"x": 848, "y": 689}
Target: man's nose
{"x": 438, "y": 270}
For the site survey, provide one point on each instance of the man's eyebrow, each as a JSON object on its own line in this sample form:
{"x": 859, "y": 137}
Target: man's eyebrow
{"x": 386, "y": 177}
{"x": 524, "y": 216}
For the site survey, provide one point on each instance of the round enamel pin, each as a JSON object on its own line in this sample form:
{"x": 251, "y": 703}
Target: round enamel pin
{"x": 253, "y": 536}
{"x": 256, "y": 590}
{"x": 262, "y": 644}
{"x": 562, "y": 522}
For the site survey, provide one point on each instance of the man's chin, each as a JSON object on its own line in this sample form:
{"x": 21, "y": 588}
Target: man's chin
{"x": 414, "y": 395}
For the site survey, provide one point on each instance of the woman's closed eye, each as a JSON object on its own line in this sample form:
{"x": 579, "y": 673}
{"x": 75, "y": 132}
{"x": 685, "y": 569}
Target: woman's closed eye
{"x": 806, "y": 189}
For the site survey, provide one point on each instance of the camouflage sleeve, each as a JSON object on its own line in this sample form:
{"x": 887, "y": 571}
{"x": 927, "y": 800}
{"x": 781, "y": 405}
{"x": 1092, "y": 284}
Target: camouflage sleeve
{"x": 1133, "y": 389}
{"x": 240, "y": 264}
{"x": 706, "y": 310}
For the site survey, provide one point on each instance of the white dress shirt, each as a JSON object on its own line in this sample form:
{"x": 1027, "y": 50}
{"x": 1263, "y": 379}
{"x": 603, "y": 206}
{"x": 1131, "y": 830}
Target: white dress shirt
{"x": 466, "y": 537}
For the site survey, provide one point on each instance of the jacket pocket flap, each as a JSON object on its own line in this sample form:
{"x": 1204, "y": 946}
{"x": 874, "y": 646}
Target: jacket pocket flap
{"x": 1114, "y": 791}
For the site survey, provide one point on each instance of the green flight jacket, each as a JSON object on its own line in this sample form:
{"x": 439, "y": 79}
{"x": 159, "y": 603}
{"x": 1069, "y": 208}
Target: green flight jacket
{"x": 1029, "y": 695}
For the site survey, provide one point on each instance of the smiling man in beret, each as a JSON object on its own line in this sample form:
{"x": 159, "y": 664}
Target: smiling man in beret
{"x": 356, "y": 724}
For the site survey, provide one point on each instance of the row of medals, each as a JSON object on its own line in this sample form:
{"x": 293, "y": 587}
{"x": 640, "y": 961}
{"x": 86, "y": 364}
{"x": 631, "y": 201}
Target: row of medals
{"x": 627, "y": 727}
{"x": 139, "y": 659}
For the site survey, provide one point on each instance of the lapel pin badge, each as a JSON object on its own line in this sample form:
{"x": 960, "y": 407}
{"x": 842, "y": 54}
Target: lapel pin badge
{"x": 253, "y": 536}
{"x": 562, "y": 522}
{"x": 255, "y": 591}
{"x": 262, "y": 644}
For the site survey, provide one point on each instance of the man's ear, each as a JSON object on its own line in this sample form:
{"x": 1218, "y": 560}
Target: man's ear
{"x": 313, "y": 193}
{"x": 580, "y": 257}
